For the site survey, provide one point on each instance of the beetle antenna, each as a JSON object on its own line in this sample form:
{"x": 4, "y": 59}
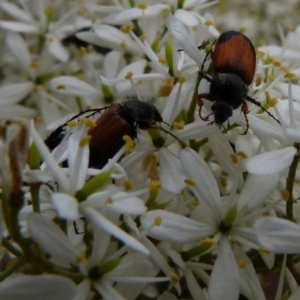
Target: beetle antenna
{"x": 259, "y": 104}
{"x": 165, "y": 123}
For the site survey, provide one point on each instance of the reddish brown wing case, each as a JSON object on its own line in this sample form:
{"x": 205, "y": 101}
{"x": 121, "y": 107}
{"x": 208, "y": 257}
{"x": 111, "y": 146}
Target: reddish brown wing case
{"x": 234, "y": 53}
{"x": 107, "y": 136}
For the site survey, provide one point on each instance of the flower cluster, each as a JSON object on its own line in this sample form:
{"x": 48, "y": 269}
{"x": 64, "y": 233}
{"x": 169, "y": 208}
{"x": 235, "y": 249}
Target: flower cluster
{"x": 113, "y": 186}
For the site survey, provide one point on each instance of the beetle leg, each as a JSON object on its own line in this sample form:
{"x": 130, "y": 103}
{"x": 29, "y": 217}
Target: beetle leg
{"x": 200, "y": 104}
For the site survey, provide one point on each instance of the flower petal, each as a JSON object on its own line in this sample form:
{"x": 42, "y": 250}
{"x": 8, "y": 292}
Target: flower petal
{"x": 68, "y": 85}
{"x": 100, "y": 221}
{"x": 183, "y": 37}
{"x": 65, "y": 206}
{"x": 46, "y": 287}
{"x": 51, "y": 239}
{"x": 263, "y": 186}
{"x": 13, "y": 93}
{"x": 173, "y": 227}
{"x": 278, "y": 235}
{"x": 19, "y": 27}
{"x": 206, "y": 188}
{"x": 272, "y": 162}
{"x": 224, "y": 279}
{"x": 171, "y": 173}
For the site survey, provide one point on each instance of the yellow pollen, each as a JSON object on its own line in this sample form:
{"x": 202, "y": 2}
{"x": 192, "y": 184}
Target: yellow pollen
{"x": 242, "y": 264}
{"x": 128, "y": 143}
{"x": 72, "y": 124}
{"x": 94, "y": 19}
{"x": 90, "y": 106}
{"x": 266, "y": 214}
{"x": 243, "y": 30}
{"x": 273, "y": 102}
{"x": 261, "y": 42}
{"x": 234, "y": 158}
{"x": 81, "y": 12}
{"x": 285, "y": 195}
{"x": 268, "y": 61}
{"x": 258, "y": 81}
{"x": 268, "y": 96}
{"x": 88, "y": 122}
{"x": 166, "y": 87}
{"x": 123, "y": 44}
{"x": 157, "y": 221}
{"x": 143, "y": 37}
{"x": 232, "y": 242}
{"x": 190, "y": 181}
{"x": 82, "y": 51}
{"x": 154, "y": 186}
{"x": 284, "y": 69}
{"x": 264, "y": 250}
{"x": 34, "y": 64}
{"x": 61, "y": 87}
{"x": 270, "y": 78}
{"x": 85, "y": 141}
{"x": 47, "y": 11}
{"x": 277, "y": 19}
{"x": 223, "y": 182}
{"x": 290, "y": 27}
{"x": 276, "y": 63}
{"x": 127, "y": 184}
{"x": 290, "y": 76}
{"x": 174, "y": 278}
{"x": 129, "y": 75}
{"x": 181, "y": 80}
{"x": 38, "y": 88}
{"x": 109, "y": 201}
{"x": 164, "y": 13}
{"x": 195, "y": 202}
{"x": 208, "y": 48}
{"x": 142, "y": 6}
{"x": 178, "y": 126}
{"x": 208, "y": 23}
{"x": 81, "y": 257}
{"x": 149, "y": 165}
{"x": 124, "y": 29}
{"x": 162, "y": 60}
{"x": 242, "y": 155}
{"x": 129, "y": 27}
{"x": 260, "y": 53}
{"x": 38, "y": 119}
{"x": 207, "y": 241}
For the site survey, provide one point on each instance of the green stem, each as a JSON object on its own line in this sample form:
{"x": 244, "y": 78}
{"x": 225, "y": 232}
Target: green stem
{"x": 11, "y": 248}
{"x": 290, "y": 184}
{"x": 191, "y": 111}
{"x": 190, "y": 115}
{"x": 19, "y": 263}
{"x": 34, "y": 191}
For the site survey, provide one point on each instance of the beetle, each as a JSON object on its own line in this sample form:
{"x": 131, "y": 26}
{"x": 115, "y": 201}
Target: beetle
{"x": 233, "y": 65}
{"x": 116, "y": 121}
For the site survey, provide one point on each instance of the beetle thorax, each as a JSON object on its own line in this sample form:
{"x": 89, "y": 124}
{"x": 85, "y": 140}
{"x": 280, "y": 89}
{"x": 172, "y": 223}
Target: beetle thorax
{"x": 229, "y": 88}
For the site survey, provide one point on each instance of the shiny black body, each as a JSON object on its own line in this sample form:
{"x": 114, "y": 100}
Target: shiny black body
{"x": 233, "y": 66}
{"x": 116, "y": 121}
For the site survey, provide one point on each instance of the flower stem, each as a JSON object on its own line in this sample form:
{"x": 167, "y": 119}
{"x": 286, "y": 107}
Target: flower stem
{"x": 190, "y": 115}
{"x": 290, "y": 184}
{"x": 10, "y": 270}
